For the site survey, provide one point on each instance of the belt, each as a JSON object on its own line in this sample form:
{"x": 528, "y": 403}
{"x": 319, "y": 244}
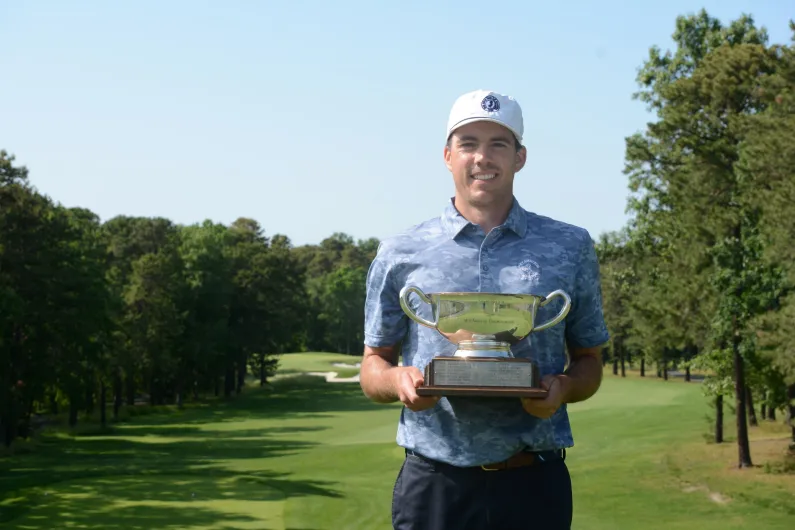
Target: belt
{"x": 521, "y": 459}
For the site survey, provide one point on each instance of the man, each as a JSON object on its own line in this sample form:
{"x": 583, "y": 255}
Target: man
{"x": 476, "y": 463}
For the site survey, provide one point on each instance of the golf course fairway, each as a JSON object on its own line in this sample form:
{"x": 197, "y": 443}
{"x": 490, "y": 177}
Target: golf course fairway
{"x": 303, "y": 453}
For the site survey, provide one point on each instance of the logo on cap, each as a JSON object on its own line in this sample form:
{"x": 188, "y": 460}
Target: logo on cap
{"x": 490, "y": 103}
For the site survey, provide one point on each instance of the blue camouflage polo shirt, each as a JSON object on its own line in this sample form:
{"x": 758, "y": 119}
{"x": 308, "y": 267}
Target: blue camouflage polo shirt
{"x": 529, "y": 253}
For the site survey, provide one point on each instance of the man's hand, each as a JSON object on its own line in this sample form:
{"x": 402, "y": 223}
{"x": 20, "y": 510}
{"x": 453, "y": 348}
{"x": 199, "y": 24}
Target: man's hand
{"x": 383, "y": 382}
{"x": 545, "y": 408}
{"x": 408, "y": 379}
{"x": 579, "y": 382}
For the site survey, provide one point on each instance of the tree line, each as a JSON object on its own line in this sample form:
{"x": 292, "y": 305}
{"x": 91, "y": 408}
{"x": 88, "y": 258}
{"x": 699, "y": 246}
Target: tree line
{"x": 141, "y": 308}
{"x": 702, "y": 277}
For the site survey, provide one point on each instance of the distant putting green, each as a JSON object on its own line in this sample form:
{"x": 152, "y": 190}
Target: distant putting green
{"x": 297, "y": 363}
{"x": 306, "y": 454}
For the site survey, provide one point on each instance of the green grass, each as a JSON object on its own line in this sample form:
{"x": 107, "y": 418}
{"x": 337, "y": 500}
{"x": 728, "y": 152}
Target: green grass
{"x": 296, "y": 363}
{"x": 306, "y": 454}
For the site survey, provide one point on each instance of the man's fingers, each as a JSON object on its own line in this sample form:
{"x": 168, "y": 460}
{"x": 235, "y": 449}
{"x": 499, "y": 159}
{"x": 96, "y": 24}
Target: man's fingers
{"x": 547, "y": 381}
{"x": 539, "y": 408}
{"x": 408, "y": 388}
{"x": 422, "y": 403}
{"x": 417, "y": 378}
{"x": 407, "y": 391}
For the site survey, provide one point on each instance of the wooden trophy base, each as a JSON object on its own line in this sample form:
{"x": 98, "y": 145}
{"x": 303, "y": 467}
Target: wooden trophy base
{"x": 482, "y": 376}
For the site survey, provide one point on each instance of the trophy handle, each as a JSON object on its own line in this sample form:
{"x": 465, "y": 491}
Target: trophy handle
{"x": 560, "y": 316}
{"x": 404, "y": 303}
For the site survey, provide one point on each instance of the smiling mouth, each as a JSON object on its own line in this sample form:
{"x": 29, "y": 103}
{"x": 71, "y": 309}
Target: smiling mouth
{"x": 484, "y": 176}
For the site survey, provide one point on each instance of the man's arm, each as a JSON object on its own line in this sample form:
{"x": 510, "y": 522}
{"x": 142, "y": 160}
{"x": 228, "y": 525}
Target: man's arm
{"x": 377, "y": 373}
{"x": 578, "y": 382}
{"x": 585, "y": 324}
{"x": 583, "y": 377}
{"x": 383, "y": 381}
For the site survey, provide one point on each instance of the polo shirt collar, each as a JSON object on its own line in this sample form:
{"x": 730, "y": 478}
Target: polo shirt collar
{"x": 454, "y": 222}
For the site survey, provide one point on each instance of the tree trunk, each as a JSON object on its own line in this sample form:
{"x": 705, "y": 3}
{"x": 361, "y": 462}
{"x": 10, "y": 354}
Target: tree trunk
{"x": 229, "y": 380}
{"x": 743, "y": 444}
{"x": 102, "y": 398}
{"x": 72, "y": 412}
{"x": 665, "y": 370}
{"x": 3, "y": 431}
{"x": 23, "y": 428}
{"x": 771, "y": 413}
{"x": 719, "y": 419}
{"x": 621, "y": 355}
{"x": 241, "y": 375}
{"x": 263, "y": 374}
{"x": 615, "y": 362}
{"x": 643, "y": 366}
{"x": 53, "y": 404}
{"x": 763, "y": 410}
{"x": 117, "y": 390}
{"x": 129, "y": 386}
{"x": 791, "y": 410}
{"x": 90, "y": 398}
{"x": 749, "y": 401}
{"x": 10, "y": 422}
{"x": 691, "y": 351}
{"x": 10, "y": 431}
{"x": 180, "y": 393}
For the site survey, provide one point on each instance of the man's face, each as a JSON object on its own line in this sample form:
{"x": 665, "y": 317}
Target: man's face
{"x": 483, "y": 160}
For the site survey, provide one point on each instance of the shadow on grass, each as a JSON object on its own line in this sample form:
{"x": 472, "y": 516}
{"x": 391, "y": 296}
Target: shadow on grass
{"x": 152, "y": 473}
{"x": 176, "y": 431}
{"x": 178, "y": 501}
{"x": 89, "y": 472}
{"x": 300, "y": 397}
{"x": 135, "y": 518}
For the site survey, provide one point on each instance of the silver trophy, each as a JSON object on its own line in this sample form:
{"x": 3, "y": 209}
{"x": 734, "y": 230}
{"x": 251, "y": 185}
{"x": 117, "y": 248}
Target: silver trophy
{"x": 483, "y": 326}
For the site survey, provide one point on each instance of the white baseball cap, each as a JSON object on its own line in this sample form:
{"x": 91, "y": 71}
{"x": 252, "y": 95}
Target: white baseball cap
{"x": 485, "y": 105}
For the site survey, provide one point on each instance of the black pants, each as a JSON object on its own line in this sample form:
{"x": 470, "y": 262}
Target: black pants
{"x": 431, "y": 495}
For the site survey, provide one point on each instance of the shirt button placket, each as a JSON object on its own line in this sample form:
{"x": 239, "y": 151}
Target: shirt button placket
{"x": 486, "y": 282}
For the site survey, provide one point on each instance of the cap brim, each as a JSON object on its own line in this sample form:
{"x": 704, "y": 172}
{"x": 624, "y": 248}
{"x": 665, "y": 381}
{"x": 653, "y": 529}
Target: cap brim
{"x": 472, "y": 120}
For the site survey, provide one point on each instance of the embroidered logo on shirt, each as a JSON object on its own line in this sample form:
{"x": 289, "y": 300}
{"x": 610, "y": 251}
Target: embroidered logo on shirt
{"x": 530, "y": 271}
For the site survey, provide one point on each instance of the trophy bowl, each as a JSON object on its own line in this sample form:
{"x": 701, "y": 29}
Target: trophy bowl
{"x": 483, "y": 326}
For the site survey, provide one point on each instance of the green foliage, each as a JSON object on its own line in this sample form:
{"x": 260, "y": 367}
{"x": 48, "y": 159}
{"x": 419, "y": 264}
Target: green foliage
{"x": 138, "y": 309}
{"x": 702, "y": 277}
{"x": 708, "y": 247}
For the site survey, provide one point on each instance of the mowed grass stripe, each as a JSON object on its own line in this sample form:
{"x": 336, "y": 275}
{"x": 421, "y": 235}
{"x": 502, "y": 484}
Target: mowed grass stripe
{"x": 306, "y": 454}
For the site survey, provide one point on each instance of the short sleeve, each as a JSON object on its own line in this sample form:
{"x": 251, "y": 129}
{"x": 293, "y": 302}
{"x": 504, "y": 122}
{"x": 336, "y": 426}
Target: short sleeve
{"x": 385, "y": 323}
{"x": 585, "y": 323}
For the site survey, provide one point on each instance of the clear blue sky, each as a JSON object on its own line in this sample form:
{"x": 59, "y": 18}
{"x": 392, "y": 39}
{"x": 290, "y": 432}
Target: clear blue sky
{"x": 317, "y": 117}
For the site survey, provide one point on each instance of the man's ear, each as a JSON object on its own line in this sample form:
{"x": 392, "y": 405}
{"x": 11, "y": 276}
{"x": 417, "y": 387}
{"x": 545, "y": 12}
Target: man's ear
{"x": 521, "y": 159}
{"x": 448, "y": 157}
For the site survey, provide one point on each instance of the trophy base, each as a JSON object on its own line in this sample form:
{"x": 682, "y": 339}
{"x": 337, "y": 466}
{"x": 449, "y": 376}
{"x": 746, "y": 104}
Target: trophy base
{"x": 475, "y": 391}
{"x": 482, "y": 377}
